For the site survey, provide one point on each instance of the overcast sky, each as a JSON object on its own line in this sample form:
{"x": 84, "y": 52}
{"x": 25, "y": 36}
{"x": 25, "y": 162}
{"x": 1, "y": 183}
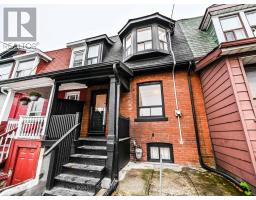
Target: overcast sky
{"x": 59, "y": 24}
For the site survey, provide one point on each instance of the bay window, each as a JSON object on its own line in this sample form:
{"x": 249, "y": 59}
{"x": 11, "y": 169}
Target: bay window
{"x": 150, "y": 100}
{"x": 251, "y": 17}
{"x": 128, "y": 45}
{"x": 232, "y": 28}
{"x": 162, "y": 36}
{"x": 93, "y": 54}
{"x": 144, "y": 39}
{"x": 5, "y": 70}
{"x": 24, "y": 68}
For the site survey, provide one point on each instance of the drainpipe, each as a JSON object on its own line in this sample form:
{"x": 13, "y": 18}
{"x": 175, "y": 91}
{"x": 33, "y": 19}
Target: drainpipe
{"x": 201, "y": 161}
{"x": 177, "y": 110}
{"x": 3, "y": 90}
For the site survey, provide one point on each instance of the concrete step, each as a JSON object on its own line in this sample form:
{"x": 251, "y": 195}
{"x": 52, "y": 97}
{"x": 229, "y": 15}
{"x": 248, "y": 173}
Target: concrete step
{"x": 95, "y": 141}
{"x": 76, "y": 182}
{"x": 92, "y": 150}
{"x": 59, "y": 191}
{"x": 84, "y": 170}
{"x": 89, "y": 159}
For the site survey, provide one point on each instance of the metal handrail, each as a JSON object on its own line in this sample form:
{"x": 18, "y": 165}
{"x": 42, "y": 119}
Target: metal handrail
{"x": 6, "y": 133}
{"x": 61, "y": 139}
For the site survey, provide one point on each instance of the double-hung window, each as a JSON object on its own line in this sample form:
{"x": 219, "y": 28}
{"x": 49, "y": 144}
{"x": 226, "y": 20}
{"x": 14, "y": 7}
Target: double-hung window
{"x": 128, "y": 45}
{"x": 72, "y": 95}
{"x": 36, "y": 107}
{"x": 232, "y": 28}
{"x": 25, "y": 68}
{"x": 5, "y": 70}
{"x": 150, "y": 100}
{"x": 162, "y": 35}
{"x": 251, "y": 76}
{"x": 160, "y": 150}
{"x": 251, "y": 17}
{"x": 93, "y": 54}
{"x": 144, "y": 39}
{"x": 78, "y": 57}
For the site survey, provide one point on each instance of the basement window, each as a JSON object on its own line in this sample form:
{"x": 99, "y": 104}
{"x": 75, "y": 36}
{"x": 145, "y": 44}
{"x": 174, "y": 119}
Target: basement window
{"x": 157, "y": 150}
{"x": 232, "y": 28}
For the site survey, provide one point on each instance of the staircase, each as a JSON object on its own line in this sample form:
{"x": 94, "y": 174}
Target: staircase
{"x": 82, "y": 175}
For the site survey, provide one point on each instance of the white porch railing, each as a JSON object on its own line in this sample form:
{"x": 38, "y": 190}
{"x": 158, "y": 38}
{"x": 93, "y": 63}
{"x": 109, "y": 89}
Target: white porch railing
{"x": 12, "y": 124}
{"x": 30, "y": 127}
{"x": 5, "y": 144}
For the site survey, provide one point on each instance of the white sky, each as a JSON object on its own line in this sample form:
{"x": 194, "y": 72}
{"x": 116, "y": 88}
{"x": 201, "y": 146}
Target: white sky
{"x": 59, "y": 24}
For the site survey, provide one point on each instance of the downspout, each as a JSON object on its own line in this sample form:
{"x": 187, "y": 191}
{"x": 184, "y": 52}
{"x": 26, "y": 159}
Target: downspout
{"x": 3, "y": 90}
{"x": 201, "y": 161}
{"x": 177, "y": 110}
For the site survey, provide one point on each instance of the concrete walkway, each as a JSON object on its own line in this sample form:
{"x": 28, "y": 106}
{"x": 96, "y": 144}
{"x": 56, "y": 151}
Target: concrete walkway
{"x": 143, "y": 179}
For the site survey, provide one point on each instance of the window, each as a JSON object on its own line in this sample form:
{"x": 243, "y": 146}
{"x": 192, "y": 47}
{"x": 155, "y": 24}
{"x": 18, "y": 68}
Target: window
{"x": 93, "y": 54}
{"x": 251, "y": 17}
{"x": 78, "y": 58}
{"x": 128, "y": 45}
{"x": 36, "y": 107}
{"x": 162, "y": 35}
{"x": 232, "y": 28}
{"x": 251, "y": 76}
{"x": 144, "y": 39}
{"x": 150, "y": 100}
{"x": 5, "y": 70}
{"x": 24, "y": 68}
{"x": 72, "y": 95}
{"x": 157, "y": 150}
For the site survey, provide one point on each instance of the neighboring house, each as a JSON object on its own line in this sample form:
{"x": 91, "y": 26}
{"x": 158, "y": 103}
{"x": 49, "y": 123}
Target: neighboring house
{"x": 223, "y": 43}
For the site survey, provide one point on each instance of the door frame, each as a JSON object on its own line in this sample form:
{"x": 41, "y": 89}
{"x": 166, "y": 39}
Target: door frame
{"x": 94, "y": 93}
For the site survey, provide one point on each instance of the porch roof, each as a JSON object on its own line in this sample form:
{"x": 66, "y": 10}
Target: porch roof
{"x": 242, "y": 48}
{"x": 90, "y": 73}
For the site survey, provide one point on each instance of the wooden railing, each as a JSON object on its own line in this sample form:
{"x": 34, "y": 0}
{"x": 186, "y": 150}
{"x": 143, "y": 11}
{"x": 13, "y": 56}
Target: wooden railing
{"x": 31, "y": 127}
{"x": 60, "y": 151}
{"x": 5, "y": 144}
{"x": 12, "y": 124}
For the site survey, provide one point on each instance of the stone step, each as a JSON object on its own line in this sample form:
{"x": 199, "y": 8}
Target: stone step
{"x": 92, "y": 150}
{"x": 59, "y": 191}
{"x": 84, "y": 170}
{"x": 95, "y": 141}
{"x": 88, "y": 159}
{"x": 77, "y": 182}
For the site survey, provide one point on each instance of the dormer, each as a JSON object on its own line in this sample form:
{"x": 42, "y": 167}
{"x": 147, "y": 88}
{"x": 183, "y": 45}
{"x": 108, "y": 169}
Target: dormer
{"x": 229, "y": 22}
{"x": 146, "y": 36}
{"x": 26, "y": 63}
{"x": 89, "y": 51}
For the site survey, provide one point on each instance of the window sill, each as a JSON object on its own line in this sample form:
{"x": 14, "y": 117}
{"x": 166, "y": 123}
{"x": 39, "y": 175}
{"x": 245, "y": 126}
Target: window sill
{"x": 151, "y": 119}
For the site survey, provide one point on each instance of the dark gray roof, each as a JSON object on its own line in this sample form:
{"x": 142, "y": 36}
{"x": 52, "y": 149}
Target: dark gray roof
{"x": 180, "y": 46}
{"x": 200, "y": 42}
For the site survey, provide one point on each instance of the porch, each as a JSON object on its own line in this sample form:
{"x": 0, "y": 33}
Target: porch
{"x": 85, "y": 130}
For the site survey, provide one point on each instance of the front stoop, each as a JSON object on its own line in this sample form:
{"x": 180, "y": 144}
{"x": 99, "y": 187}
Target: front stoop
{"x": 82, "y": 175}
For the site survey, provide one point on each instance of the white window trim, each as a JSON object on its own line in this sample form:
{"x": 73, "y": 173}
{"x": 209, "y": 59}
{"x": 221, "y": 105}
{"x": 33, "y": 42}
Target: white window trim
{"x": 34, "y": 67}
{"x": 72, "y": 55}
{"x": 72, "y": 93}
{"x": 30, "y": 107}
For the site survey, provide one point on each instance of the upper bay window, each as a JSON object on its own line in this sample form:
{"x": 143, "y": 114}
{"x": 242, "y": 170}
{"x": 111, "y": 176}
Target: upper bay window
{"x": 93, "y": 54}
{"x": 144, "y": 39}
{"x": 5, "y": 70}
{"x": 162, "y": 36}
{"x": 232, "y": 28}
{"x": 128, "y": 45}
{"x": 78, "y": 57}
{"x": 150, "y": 100}
{"x": 24, "y": 68}
{"x": 251, "y": 17}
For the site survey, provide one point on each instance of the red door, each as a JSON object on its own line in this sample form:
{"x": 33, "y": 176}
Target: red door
{"x": 25, "y": 166}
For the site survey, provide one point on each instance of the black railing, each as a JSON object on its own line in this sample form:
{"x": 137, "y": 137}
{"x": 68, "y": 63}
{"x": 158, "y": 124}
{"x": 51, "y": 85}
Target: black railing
{"x": 123, "y": 142}
{"x": 60, "y": 151}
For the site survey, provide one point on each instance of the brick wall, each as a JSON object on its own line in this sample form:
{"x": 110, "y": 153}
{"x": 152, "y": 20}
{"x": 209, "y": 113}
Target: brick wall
{"x": 167, "y": 131}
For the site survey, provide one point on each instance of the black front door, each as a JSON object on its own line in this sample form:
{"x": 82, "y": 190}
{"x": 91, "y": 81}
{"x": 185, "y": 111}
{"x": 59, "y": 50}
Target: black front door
{"x": 98, "y": 112}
